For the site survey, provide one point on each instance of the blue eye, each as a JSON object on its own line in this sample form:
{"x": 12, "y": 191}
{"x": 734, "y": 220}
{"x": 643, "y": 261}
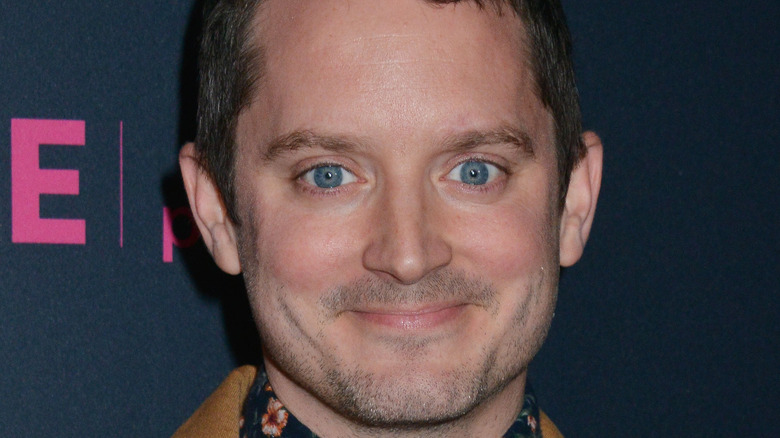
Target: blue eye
{"x": 475, "y": 173}
{"x": 329, "y": 176}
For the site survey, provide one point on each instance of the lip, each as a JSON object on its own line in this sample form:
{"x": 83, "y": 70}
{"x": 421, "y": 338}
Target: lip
{"x": 414, "y": 319}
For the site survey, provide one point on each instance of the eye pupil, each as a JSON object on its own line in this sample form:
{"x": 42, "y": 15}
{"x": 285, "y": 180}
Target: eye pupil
{"x": 474, "y": 173}
{"x": 328, "y": 177}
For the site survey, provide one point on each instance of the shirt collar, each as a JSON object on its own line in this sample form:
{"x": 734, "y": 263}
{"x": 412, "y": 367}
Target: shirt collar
{"x": 264, "y": 415}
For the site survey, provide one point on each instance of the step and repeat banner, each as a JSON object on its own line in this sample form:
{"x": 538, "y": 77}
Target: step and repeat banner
{"x": 114, "y": 321}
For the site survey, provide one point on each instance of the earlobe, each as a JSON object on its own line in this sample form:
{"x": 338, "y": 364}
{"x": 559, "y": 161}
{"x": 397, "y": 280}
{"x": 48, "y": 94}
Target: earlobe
{"x": 209, "y": 212}
{"x": 580, "y": 207}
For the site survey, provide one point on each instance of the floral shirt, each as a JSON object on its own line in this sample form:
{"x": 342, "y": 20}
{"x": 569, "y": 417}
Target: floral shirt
{"x": 265, "y": 416}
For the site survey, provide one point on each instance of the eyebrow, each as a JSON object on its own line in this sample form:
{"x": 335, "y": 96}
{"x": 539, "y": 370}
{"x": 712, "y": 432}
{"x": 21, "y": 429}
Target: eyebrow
{"x": 296, "y": 140}
{"x": 503, "y": 135}
{"x": 460, "y": 142}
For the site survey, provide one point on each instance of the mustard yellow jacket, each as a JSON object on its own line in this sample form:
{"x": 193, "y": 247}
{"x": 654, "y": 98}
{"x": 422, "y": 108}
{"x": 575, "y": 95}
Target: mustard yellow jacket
{"x": 218, "y": 416}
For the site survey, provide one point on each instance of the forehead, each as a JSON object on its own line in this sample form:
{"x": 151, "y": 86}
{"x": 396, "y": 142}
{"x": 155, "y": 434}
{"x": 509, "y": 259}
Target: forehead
{"x": 407, "y": 63}
{"x": 316, "y": 23}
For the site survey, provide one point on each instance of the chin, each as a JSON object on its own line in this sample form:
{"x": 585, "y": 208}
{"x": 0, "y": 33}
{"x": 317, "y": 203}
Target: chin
{"x": 415, "y": 394}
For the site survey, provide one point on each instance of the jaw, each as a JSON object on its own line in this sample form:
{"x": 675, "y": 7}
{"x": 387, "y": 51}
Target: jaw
{"x": 365, "y": 381}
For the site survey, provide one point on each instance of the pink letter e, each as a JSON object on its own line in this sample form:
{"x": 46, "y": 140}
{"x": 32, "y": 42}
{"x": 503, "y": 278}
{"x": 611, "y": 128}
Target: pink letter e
{"x": 29, "y": 181}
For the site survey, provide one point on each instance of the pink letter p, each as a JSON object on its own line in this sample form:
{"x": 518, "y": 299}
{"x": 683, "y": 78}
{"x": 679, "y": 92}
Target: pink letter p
{"x": 170, "y": 239}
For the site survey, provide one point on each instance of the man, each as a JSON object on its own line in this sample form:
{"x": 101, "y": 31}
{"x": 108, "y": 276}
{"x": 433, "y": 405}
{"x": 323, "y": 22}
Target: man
{"x": 399, "y": 183}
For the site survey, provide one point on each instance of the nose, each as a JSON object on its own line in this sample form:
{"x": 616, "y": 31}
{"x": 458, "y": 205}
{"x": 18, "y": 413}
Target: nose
{"x": 407, "y": 236}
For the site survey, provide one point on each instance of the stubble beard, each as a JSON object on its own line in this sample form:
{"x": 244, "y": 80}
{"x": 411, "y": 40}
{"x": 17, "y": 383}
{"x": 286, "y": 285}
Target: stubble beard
{"x": 417, "y": 399}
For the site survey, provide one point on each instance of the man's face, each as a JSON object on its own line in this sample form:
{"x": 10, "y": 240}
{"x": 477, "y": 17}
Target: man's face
{"x": 396, "y": 185}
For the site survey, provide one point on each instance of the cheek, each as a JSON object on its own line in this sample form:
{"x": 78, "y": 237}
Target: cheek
{"x": 306, "y": 251}
{"x": 510, "y": 243}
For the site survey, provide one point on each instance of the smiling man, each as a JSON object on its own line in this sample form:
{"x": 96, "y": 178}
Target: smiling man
{"x": 399, "y": 183}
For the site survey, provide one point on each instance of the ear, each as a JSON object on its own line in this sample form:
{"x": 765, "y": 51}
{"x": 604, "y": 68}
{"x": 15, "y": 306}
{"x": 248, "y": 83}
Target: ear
{"x": 209, "y": 212}
{"x": 577, "y": 216}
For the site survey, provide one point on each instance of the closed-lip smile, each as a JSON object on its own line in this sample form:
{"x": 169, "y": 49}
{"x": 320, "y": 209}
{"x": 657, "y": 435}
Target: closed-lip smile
{"x": 429, "y": 316}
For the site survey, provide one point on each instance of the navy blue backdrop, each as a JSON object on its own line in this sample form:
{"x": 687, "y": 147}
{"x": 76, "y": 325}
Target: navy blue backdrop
{"x": 114, "y": 324}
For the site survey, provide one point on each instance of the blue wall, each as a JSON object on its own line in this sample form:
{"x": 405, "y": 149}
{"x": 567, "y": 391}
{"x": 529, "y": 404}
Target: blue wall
{"x": 667, "y": 327}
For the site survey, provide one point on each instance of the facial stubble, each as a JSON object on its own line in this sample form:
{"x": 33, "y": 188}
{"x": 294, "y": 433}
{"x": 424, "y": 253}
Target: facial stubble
{"x": 417, "y": 399}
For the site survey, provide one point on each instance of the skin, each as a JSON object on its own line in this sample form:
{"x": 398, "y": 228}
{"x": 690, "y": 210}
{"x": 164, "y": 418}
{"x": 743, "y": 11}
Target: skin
{"x": 404, "y": 301}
